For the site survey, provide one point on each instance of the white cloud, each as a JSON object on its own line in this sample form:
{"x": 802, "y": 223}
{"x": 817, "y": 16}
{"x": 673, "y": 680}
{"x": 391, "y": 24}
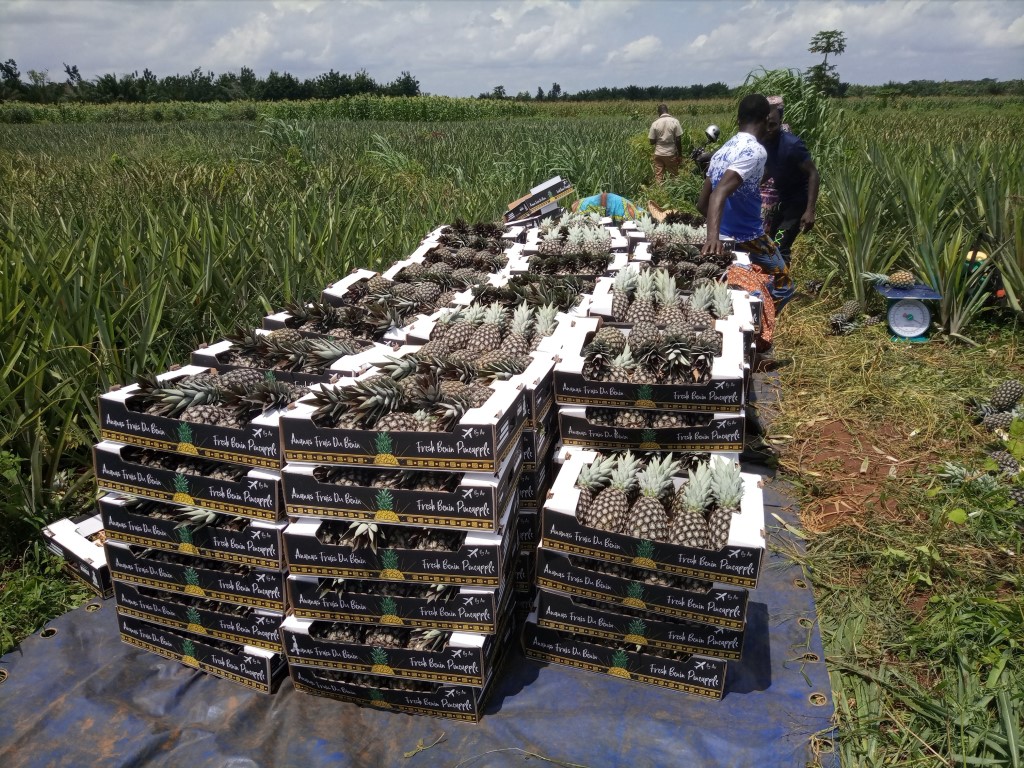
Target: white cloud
{"x": 464, "y": 48}
{"x": 642, "y": 49}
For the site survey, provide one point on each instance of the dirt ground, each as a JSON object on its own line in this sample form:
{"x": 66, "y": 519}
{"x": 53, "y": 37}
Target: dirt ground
{"x": 847, "y": 468}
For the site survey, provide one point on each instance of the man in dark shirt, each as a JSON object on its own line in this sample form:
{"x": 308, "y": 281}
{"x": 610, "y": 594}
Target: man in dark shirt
{"x": 789, "y": 189}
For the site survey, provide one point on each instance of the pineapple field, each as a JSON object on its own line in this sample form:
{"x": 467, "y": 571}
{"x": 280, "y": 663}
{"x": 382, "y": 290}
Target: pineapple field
{"x": 298, "y": 388}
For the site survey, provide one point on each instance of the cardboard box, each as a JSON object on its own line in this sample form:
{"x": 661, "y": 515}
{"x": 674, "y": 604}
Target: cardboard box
{"x": 528, "y": 530}
{"x": 79, "y": 540}
{"x": 257, "y": 543}
{"x": 465, "y": 609}
{"x": 338, "y": 294}
{"x": 482, "y": 559}
{"x": 540, "y": 196}
{"x": 464, "y": 660}
{"x": 566, "y": 614}
{"x": 738, "y": 562}
{"x": 696, "y": 675}
{"x": 478, "y": 501}
{"x": 533, "y": 486}
{"x": 722, "y": 393}
{"x": 257, "y": 495}
{"x": 525, "y": 575}
{"x": 248, "y": 665}
{"x": 704, "y": 602}
{"x": 538, "y": 440}
{"x": 523, "y": 262}
{"x": 196, "y": 577}
{"x": 257, "y": 444}
{"x": 455, "y": 702}
{"x": 715, "y": 432}
{"x": 480, "y": 442}
{"x": 194, "y": 616}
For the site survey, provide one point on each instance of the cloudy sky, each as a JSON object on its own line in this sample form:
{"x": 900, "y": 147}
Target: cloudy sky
{"x": 465, "y": 47}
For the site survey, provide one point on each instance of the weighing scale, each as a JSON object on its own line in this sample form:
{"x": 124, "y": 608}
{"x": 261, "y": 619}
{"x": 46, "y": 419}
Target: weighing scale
{"x": 909, "y": 316}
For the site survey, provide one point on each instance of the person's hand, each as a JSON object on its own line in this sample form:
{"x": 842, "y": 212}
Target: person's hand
{"x": 807, "y": 222}
{"x": 713, "y": 247}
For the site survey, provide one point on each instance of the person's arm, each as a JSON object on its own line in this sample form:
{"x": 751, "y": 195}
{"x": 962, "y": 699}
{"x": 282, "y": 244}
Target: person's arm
{"x": 679, "y": 146}
{"x": 651, "y": 136}
{"x": 712, "y": 203}
{"x": 813, "y": 183}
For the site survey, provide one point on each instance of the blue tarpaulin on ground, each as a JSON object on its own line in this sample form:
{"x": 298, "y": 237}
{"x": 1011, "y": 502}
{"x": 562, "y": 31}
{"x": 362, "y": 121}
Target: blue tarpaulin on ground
{"x": 81, "y": 697}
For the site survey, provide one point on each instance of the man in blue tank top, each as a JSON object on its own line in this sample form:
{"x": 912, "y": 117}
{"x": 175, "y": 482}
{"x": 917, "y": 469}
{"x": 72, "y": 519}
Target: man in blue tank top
{"x": 731, "y": 198}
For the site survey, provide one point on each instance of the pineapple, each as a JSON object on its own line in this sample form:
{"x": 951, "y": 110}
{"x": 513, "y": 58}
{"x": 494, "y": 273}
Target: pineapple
{"x": 545, "y": 324}
{"x": 622, "y": 292}
{"x": 610, "y": 507}
{"x": 647, "y": 518}
{"x": 621, "y": 366}
{"x": 488, "y": 335}
{"x": 689, "y": 528}
{"x": 516, "y": 342}
{"x": 593, "y": 478}
{"x": 462, "y": 330}
{"x": 641, "y": 310}
{"x": 727, "y": 488}
{"x": 1007, "y": 395}
{"x": 611, "y": 337}
{"x": 669, "y": 310}
{"x": 628, "y": 418}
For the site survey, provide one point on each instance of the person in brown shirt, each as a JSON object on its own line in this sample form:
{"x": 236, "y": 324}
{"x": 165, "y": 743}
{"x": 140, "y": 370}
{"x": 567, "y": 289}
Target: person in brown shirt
{"x": 666, "y": 137}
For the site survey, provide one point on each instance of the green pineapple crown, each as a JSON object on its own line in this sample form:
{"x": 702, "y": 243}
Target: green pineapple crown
{"x": 546, "y": 320}
{"x": 726, "y": 484}
{"x": 191, "y": 577}
{"x": 656, "y": 479}
{"x": 643, "y": 392}
{"x": 625, "y": 280}
{"x": 379, "y": 656}
{"x": 635, "y": 590}
{"x": 648, "y": 435}
{"x": 697, "y": 494}
{"x": 192, "y": 615}
{"x": 188, "y": 648}
{"x": 624, "y": 474}
{"x": 721, "y": 301}
{"x": 703, "y": 295}
{"x": 388, "y": 606}
{"x": 184, "y": 432}
{"x": 665, "y": 285}
{"x": 522, "y": 320}
{"x": 645, "y": 286}
{"x": 184, "y": 533}
{"x": 620, "y": 658}
{"x": 597, "y": 474}
{"x": 180, "y": 483}
{"x": 382, "y": 443}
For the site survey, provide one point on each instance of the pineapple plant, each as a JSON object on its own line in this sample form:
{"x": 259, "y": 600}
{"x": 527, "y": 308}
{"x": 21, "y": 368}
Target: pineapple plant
{"x": 647, "y": 517}
{"x": 610, "y": 507}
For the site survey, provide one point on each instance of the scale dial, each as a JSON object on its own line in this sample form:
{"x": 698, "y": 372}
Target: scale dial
{"x": 909, "y": 318}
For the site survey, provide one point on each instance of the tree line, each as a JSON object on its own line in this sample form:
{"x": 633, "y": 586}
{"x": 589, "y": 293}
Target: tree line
{"x": 198, "y": 86}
